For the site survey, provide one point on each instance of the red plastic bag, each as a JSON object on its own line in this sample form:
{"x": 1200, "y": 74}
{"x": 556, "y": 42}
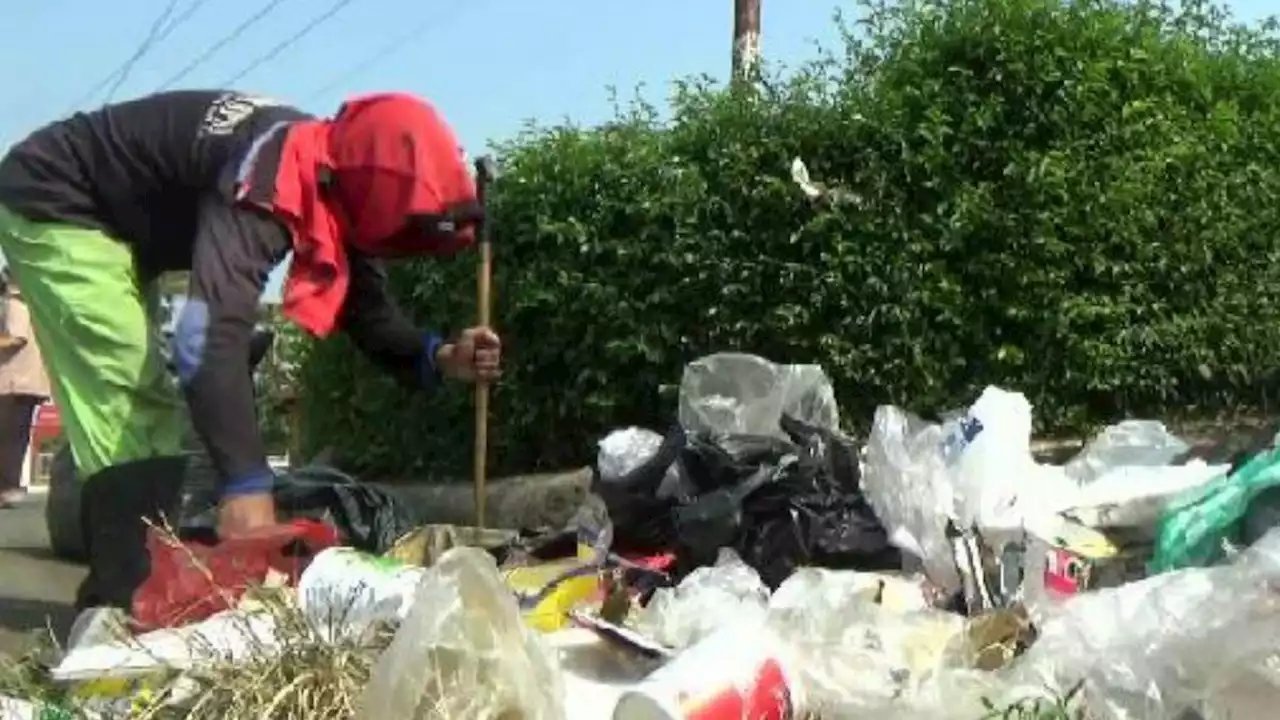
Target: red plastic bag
{"x": 190, "y": 582}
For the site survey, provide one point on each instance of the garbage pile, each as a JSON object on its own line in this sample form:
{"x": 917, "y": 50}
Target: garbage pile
{"x": 754, "y": 561}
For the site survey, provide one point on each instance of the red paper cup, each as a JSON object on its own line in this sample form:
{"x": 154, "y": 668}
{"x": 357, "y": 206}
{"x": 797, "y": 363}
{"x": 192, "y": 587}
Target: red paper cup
{"x": 732, "y": 674}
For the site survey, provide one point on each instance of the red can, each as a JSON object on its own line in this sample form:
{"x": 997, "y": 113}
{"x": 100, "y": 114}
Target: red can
{"x": 732, "y": 674}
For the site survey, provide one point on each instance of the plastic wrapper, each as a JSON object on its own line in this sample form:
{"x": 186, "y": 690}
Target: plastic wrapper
{"x": 463, "y": 651}
{"x": 15, "y": 709}
{"x": 728, "y": 591}
{"x": 738, "y": 394}
{"x": 1146, "y": 443}
{"x": 1151, "y": 649}
{"x": 235, "y": 636}
{"x": 855, "y": 644}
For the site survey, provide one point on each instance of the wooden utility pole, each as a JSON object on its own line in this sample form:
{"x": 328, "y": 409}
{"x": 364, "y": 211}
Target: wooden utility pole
{"x": 746, "y": 38}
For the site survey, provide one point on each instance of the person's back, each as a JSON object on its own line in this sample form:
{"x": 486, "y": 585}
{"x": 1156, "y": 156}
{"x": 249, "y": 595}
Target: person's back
{"x": 136, "y": 170}
{"x": 95, "y": 207}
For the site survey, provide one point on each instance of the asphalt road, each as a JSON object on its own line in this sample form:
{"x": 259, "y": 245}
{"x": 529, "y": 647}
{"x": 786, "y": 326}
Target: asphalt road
{"x": 36, "y": 589}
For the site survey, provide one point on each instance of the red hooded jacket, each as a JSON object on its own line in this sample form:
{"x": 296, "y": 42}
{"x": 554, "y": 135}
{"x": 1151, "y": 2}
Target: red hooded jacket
{"x": 384, "y": 176}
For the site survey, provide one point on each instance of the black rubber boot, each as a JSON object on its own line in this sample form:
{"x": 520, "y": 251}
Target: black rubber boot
{"x": 116, "y": 505}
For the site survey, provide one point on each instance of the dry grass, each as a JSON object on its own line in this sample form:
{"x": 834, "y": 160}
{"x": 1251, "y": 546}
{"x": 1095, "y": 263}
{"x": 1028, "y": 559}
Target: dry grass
{"x": 308, "y": 675}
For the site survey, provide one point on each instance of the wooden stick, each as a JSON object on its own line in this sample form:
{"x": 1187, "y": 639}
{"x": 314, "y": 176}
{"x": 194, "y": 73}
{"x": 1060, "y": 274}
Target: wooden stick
{"x": 480, "y": 455}
{"x": 485, "y": 173}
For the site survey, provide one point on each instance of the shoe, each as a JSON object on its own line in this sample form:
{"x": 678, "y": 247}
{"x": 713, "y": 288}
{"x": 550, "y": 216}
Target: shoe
{"x": 117, "y": 507}
{"x": 11, "y": 498}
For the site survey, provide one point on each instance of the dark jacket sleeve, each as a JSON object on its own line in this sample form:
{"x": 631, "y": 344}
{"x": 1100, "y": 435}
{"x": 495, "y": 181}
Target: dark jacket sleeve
{"x": 235, "y": 250}
{"x": 380, "y": 329}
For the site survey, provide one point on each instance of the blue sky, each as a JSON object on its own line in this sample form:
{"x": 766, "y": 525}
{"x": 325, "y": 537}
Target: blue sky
{"x": 490, "y": 65}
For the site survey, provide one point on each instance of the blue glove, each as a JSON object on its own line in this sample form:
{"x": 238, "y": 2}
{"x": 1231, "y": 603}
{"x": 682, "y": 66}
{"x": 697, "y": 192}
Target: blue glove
{"x": 428, "y": 373}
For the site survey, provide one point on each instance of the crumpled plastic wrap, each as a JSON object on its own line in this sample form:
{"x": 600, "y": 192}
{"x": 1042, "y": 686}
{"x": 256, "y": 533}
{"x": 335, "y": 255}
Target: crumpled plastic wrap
{"x": 1130, "y": 443}
{"x": 463, "y": 651}
{"x": 707, "y": 598}
{"x": 739, "y": 394}
{"x": 854, "y": 657}
{"x": 1151, "y": 649}
{"x": 853, "y": 643}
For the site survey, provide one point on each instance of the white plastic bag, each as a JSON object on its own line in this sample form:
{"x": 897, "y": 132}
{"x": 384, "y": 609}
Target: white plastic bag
{"x": 988, "y": 452}
{"x": 733, "y": 393}
{"x": 347, "y": 593}
{"x": 463, "y": 651}
{"x": 1135, "y": 496}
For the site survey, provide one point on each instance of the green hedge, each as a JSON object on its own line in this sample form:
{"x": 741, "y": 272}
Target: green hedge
{"x": 1080, "y": 200}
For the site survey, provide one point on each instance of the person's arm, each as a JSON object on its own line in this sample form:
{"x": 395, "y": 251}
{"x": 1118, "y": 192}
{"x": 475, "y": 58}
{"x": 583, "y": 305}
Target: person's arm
{"x": 235, "y": 250}
{"x": 381, "y": 331}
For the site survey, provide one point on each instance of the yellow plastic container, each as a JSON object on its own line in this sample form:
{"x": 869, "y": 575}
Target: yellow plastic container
{"x": 547, "y": 592}
{"x": 550, "y": 591}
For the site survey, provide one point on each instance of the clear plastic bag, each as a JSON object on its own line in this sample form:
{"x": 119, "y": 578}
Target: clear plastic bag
{"x": 852, "y": 656}
{"x": 463, "y": 651}
{"x": 1146, "y": 443}
{"x": 622, "y": 452}
{"x": 908, "y": 486}
{"x": 739, "y": 394}
{"x": 709, "y": 597}
{"x": 976, "y": 469}
{"x": 1151, "y": 649}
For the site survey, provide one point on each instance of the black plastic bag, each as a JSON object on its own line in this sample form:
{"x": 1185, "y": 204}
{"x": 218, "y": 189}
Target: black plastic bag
{"x": 780, "y": 504}
{"x": 800, "y": 504}
{"x": 367, "y": 517}
{"x": 642, "y": 521}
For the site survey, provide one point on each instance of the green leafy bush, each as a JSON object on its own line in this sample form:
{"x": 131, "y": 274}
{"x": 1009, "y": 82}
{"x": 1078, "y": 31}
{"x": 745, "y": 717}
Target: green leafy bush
{"x": 1080, "y": 200}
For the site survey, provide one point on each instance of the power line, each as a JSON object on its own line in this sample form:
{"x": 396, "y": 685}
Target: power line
{"x": 287, "y": 42}
{"x": 143, "y": 48}
{"x": 192, "y": 9}
{"x": 223, "y": 42}
{"x": 386, "y": 51}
